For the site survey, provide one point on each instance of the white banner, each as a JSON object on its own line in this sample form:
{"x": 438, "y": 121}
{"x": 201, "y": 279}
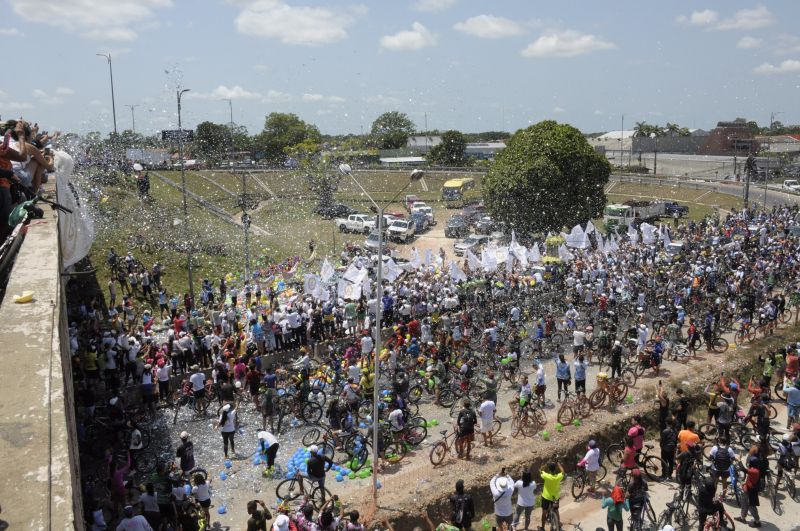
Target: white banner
{"x": 310, "y": 284}
{"x": 327, "y": 271}
{"x": 76, "y": 229}
{"x": 348, "y": 291}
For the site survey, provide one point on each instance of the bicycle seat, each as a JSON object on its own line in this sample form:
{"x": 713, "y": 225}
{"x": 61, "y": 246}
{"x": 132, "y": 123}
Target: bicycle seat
{"x": 443, "y": 432}
{"x": 649, "y": 446}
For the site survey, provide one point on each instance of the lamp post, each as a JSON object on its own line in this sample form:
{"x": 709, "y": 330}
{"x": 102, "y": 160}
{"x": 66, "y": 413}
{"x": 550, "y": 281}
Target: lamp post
{"x": 111, "y": 76}
{"x": 133, "y": 116}
{"x": 654, "y": 136}
{"x": 415, "y": 175}
{"x": 769, "y": 149}
{"x": 183, "y": 185}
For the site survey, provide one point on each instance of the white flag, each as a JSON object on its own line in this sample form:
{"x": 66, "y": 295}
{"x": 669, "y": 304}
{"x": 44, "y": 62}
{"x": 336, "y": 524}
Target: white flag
{"x": 575, "y": 239}
{"x": 533, "y": 253}
{"x": 501, "y": 254}
{"x": 564, "y": 254}
{"x": 366, "y": 287}
{"x": 456, "y": 274}
{"x": 589, "y": 227}
{"x": 322, "y": 294}
{"x": 665, "y": 237}
{"x": 633, "y": 234}
{"x": 310, "y": 284}
{"x": 348, "y": 291}
{"x": 648, "y": 233}
{"x": 472, "y": 260}
{"x": 327, "y": 271}
{"x": 489, "y": 259}
{"x": 354, "y": 274}
{"x": 415, "y": 260}
{"x": 390, "y": 270}
{"x": 428, "y": 257}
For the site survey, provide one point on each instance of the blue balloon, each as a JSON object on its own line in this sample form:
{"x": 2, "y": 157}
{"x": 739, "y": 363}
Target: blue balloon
{"x": 290, "y": 475}
{"x": 228, "y": 463}
{"x": 223, "y": 476}
{"x": 222, "y": 509}
{"x": 378, "y": 484}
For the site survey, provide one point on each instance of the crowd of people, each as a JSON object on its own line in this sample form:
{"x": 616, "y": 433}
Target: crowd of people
{"x": 451, "y": 329}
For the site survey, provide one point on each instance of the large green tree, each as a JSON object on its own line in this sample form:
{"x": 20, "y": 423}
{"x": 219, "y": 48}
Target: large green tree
{"x": 548, "y": 177}
{"x": 391, "y": 129}
{"x": 212, "y": 141}
{"x": 451, "y": 151}
{"x": 281, "y": 131}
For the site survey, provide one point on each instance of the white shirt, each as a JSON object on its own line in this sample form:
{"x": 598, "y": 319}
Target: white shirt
{"x": 502, "y": 505}
{"x": 201, "y": 492}
{"x": 230, "y": 422}
{"x": 525, "y": 495}
{"x": 486, "y": 410}
{"x": 578, "y": 337}
{"x": 396, "y": 419}
{"x": 148, "y": 502}
{"x": 366, "y": 344}
{"x": 592, "y": 459}
{"x": 198, "y": 381}
{"x": 269, "y": 439}
{"x": 540, "y": 376}
{"x": 136, "y": 523}
{"x": 163, "y": 372}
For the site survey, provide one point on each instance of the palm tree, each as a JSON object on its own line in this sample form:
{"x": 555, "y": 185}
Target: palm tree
{"x": 641, "y": 129}
{"x": 672, "y": 129}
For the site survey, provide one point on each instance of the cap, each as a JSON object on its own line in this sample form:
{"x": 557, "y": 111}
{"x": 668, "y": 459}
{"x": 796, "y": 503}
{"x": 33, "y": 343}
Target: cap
{"x": 502, "y": 483}
{"x": 226, "y": 407}
{"x": 592, "y": 444}
{"x": 281, "y": 523}
{"x": 137, "y": 167}
{"x": 313, "y": 449}
{"x": 184, "y": 435}
{"x": 128, "y": 510}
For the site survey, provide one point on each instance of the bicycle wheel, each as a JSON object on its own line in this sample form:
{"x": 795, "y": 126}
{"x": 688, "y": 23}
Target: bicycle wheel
{"x": 719, "y": 345}
{"x": 319, "y": 495}
{"x": 597, "y": 398}
{"x": 415, "y": 394}
{"x": 289, "y": 490}
{"x": 438, "y": 453}
{"x": 537, "y": 418}
{"x": 496, "y": 425}
{"x": 417, "y": 434}
{"x": 740, "y": 338}
{"x": 649, "y": 516}
{"x": 615, "y": 455}
{"x": 778, "y": 392}
{"x": 582, "y": 407}
{"x": 772, "y": 413}
{"x": 618, "y": 392}
{"x": 395, "y": 452}
{"x": 311, "y": 412}
{"x": 556, "y": 339}
{"x": 654, "y": 468}
{"x": 145, "y": 462}
{"x": 447, "y": 398}
{"x": 785, "y": 316}
{"x": 708, "y": 430}
{"x": 629, "y": 377}
{"x": 555, "y": 520}
{"x": 680, "y": 353}
{"x": 518, "y": 426}
{"x": 578, "y": 483}
{"x": 665, "y": 518}
{"x": 565, "y": 415}
{"x": 772, "y": 494}
{"x": 312, "y": 436}
{"x": 791, "y": 489}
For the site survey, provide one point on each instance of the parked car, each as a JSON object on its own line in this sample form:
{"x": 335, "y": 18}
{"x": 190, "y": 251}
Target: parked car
{"x": 401, "y": 230}
{"x": 499, "y": 237}
{"x": 671, "y": 207}
{"x": 338, "y": 210}
{"x": 485, "y": 225}
{"x": 425, "y": 209}
{"x": 457, "y": 227}
{"x": 356, "y": 223}
{"x": 371, "y": 242}
{"x": 410, "y": 201}
{"x": 474, "y": 243}
{"x": 420, "y": 221}
{"x": 791, "y": 185}
{"x": 473, "y": 213}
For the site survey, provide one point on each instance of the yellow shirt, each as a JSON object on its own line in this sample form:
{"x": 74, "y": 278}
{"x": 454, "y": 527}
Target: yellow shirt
{"x": 552, "y": 485}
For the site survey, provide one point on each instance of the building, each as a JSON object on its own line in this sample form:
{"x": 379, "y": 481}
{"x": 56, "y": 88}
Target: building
{"x": 689, "y": 145}
{"x": 484, "y": 150}
{"x": 422, "y": 143}
{"x": 730, "y": 138}
{"x": 780, "y": 143}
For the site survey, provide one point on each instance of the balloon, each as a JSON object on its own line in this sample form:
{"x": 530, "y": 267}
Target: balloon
{"x": 228, "y": 463}
{"x": 222, "y": 509}
{"x": 223, "y": 476}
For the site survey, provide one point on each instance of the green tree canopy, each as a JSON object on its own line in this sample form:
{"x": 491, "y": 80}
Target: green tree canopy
{"x": 451, "y": 152}
{"x": 548, "y": 177}
{"x": 282, "y": 130}
{"x": 391, "y": 129}
{"x": 211, "y": 140}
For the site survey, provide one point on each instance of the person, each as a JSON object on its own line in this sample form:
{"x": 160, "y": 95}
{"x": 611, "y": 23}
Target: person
{"x": 580, "y": 374}
{"x": 502, "y": 487}
{"x": 726, "y": 409}
{"x": 708, "y": 503}
{"x": 268, "y": 446}
{"x": 750, "y": 497}
{"x": 131, "y": 522}
{"x": 681, "y": 411}
{"x": 227, "y": 426}
{"x": 541, "y": 384}
{"x": 202, "y": 495}
{"x": 787, "y": 460}
{"x": 668, "y": 443}
{"x": 185, "y": 453}
{"x": 462, "y": 508}
{"x": 722, "y": 456}
{"x": 616, "y": 359}
{"x": 551, "y": 490}
{"x": 149, "y": 502}
{"x": 355, "y": 525}
{"x": 615, "y": 504}
{"x": 663, "y": 407}
{"x": 636, "y": 433}
{"x": 592, "y": 463}
{"x": 282, "y": 523}
{"x": 563, "y": 376}
{"x": 792, "y": 401}
{"x": 465, "y": 426}
{"x": 526, "y": 499}
{"x": 316, "y": 468}
{"x": 686, "y": 467}
{"x": 629, "y": 455}
{"x": 198, "y": 381}
{"x": 687, "y": 435}
{"x": 487, "y": 411}
{"x": 258, "y": 517}
{"x": 637, "y": 494}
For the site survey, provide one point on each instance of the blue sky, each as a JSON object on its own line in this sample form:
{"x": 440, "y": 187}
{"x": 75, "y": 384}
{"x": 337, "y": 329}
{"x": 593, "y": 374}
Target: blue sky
{"x": 470, "y": 65}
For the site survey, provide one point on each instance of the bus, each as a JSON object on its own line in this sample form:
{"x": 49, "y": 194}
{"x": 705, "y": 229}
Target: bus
{"x": 458, "y": 192}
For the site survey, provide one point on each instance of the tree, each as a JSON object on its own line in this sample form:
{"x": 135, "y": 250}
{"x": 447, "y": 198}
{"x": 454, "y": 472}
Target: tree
{"x": 321, "y": 179}
{"x": 642, "y": 129}
{"x": 672, "y": 129}
{"x": 212, "y": 140}
{"x": 391, "y": 129}
{"x": 282, "y": 130}
{"x": 451, "y": 152}
{"x": 547, "y": 177}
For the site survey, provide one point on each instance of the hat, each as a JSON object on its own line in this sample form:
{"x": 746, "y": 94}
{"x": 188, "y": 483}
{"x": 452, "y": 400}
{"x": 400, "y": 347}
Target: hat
{"x": 137, "y": 167}
{"x": 226, "y": 407}
{"x": 160, "y": 362}
{"x": 184, "y": 435}
{"x": 502, "y": 483}
{"x": 281, "y": 523}
{"x": 592, "y": 444}
{"x": 313, "y": 449}
{"x": 195, "y": 367}
{"x": 128, "y": 510}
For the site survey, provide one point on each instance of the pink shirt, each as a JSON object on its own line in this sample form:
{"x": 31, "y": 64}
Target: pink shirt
{"x": 637, "y": 434}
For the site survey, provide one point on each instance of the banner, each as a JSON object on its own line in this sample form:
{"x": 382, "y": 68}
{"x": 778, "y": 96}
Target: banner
{"x": 415, "y": 261}
{"x": 456, "y": 274}
{"x": 76, "y": 229}
{"x": 310, "y": 284}
{"x": 348, "y": 291}
{"x": 472, "y": 260}
{"x": 489, "y": 259}
{"x": 327, "y": 271}
{"x": 391, "y": 270}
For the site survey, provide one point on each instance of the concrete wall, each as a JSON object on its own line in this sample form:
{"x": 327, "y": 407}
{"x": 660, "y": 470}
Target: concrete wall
{"x": 40, "y": 483}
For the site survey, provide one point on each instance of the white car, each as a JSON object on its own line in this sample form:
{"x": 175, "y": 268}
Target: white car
{"x": 791, "y": 185}
{"x": 401, "y": 230}
{"x": 425, "y": 209}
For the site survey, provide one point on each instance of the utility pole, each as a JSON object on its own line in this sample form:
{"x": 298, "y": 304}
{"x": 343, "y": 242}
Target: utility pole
{"x": 187, "y": 241}
{"x": 133, "y": 116}
{"x": 769, "y": 150}
{"x": 245, "y": 216}
{"x": 111, "y": 76}
{"x": 621, "y": 133}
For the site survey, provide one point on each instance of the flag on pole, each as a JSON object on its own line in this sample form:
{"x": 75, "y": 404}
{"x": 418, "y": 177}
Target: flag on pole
{"x": 391, "y": 270}
{"x": 415, "y": 260}
{"x": 456, "y": 273}
{"x": 310, "y": 284}
{"x": 472, "y": 260}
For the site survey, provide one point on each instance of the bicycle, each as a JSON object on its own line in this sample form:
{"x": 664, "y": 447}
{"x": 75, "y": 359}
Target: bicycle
{"x": 581, "y": 478}
{"x": 527, "y": 420}
{"x": 553, "y": 517}
{"x": 674, "y": 514}
{"x": 573, "y": 406}
{"x": 443, "y": 447}
{"x": 615, "y": 390}
{"x": 653, "y": 465}
{"x": 293, "y": 492}
{"x": 644, "y": 517}
{"x": 715, "y": 523}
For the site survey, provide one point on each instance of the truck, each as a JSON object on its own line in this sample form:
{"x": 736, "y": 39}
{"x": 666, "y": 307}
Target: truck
{"x": 620, "y": 216}
{"x": 425, "y": 209}
{"x": 356, "y": 223}
{"x": 401, "y": 230}
{"x": 791, "y": 185}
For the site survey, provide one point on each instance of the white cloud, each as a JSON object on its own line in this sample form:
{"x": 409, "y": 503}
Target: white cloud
{"x": 14, "y": 106}
{"x": 705, "y": 17}
{"x": 312, "y": 98}
{"x": 489, "y": 27}
{"x": 431, "y": 6}
{"x": 11, "y": 32}
{"x": 382, "y": 100}
{"x": 747, "y": 19}
{"x": 225, "y": 93}
{"x": 3, "y": 94}
{"x": 785, "y": 67}
{"x": 93, "y": 19}
{"x": 568, "y": 43}
{"x": 558, "y": 110}
{"x": 276, "y": 96}
{"x": 64, "y": 91}
{"x": 417, "y": 38}
{"x": 46, "y": 98}
{"x": 275, "y": 19}
{"x": 747, "y": 43}
{"x": 260, "y": 68}
{"x": 598, "y": 112}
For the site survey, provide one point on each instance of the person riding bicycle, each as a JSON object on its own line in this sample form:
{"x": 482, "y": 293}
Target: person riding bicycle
{"x": 758, "y": 410}
{"x": 787, "y": 459}
{"x": 722, "y": 455}
{"x": 316, "y": 467}
{"x": 637, "y": 493}
{"x": 708, "y": 503}
{"x": 551, "y": 489}
{"x": 465, "y": 428}
{"x": 571, "y": 316}
{"x": 525, "y": 393}
{"x": 592, "y": 463}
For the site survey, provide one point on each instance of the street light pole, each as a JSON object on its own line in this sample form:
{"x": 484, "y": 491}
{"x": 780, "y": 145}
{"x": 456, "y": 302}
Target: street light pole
{"x": 133, "y": 116}
{"x": 111, "y": 76}
{"x": 183, "y": 185}
{"x": 415, "y": 175}
{"x": 769, "y": 150}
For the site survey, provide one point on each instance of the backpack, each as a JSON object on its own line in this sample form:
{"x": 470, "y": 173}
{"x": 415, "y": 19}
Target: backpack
{"x": 466, "y": 420}
{"x": 458, "y": 510}
{"x": 722, "y": 460}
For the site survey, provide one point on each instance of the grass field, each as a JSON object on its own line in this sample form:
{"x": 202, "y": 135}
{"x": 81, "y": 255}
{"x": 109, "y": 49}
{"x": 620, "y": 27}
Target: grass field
{"x": 285, "y": 213}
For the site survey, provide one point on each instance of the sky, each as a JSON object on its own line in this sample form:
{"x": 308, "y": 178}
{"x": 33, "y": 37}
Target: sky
{"x": 469, "y": 65}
